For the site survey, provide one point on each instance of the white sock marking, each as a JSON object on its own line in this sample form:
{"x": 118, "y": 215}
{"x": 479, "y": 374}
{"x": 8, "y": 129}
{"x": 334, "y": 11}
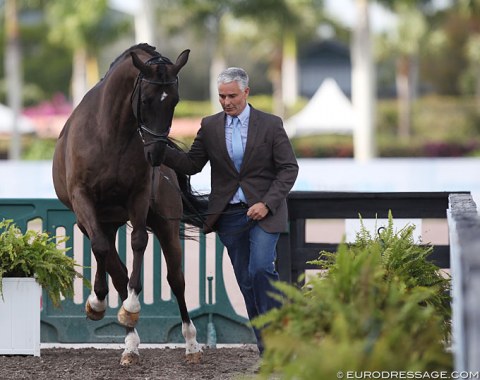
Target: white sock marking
{"x": 132, "y": 304}
{"x": 189, "y": 332}
{"x": 132, "y": 341}
{"x": 96, "y": 304}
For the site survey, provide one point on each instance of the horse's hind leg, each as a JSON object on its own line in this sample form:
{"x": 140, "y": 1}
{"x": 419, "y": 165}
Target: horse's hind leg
{"x": 130, "y": 355}
{"x": 170, "y": 242}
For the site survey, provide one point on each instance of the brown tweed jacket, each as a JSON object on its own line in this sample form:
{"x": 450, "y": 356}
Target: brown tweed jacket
{"x": 269, "y": 168}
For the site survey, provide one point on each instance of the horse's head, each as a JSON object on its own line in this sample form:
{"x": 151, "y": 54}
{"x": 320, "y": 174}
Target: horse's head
{"x": 154, "y": 99}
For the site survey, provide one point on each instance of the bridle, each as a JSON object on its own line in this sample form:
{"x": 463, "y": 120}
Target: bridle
{"x": 137, "y": 109}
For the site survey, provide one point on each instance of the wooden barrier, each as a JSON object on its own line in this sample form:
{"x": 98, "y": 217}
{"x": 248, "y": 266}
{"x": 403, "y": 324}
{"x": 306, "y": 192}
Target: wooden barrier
{"x": 294, "y": 250}
{"x": 160, "y": 321}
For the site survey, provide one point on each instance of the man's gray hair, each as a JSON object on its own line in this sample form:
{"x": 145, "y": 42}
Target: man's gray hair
{"x": 234, "y": 74}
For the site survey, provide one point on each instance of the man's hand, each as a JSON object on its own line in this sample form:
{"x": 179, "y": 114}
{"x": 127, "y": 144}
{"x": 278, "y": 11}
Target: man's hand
{"x": 258, "y": 211}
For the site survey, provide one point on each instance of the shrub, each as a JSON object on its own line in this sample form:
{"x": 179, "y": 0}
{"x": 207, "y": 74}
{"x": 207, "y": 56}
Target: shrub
{"x": 35, "y": 254}
{"x": 380, "y": 306}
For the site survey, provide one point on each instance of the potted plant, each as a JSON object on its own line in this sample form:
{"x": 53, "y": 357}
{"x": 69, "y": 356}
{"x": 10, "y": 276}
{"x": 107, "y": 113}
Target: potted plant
{"x": 29, "y": 262}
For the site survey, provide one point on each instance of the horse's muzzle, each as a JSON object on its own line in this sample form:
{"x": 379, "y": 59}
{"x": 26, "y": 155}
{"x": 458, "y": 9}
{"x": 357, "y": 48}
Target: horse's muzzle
{"x": 155, "y": 153}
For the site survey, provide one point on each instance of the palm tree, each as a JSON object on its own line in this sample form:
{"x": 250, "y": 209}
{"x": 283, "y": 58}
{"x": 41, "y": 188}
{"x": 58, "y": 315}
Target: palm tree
{"x": 279, "y": 22}
{"x": 405, "y": 44}
{"x": 470, "y": 9}
{"x": 363, "y": 85}
{"x": 208, "y": 18}
{"x": 13, "y": 73}
{"x": 84, "y": 27}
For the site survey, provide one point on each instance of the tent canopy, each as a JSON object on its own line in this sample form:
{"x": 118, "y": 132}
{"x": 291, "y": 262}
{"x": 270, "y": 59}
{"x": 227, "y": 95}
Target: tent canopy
{"x": 328, "y": 111}
{"x": 25, "y": 125}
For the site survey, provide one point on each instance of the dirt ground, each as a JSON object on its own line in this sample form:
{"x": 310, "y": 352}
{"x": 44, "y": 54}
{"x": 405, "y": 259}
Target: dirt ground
{"x": 158, "y": 363}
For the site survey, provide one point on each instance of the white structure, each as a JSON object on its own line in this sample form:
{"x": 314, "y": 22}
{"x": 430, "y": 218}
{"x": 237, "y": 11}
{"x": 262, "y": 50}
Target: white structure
{"x": 20, "y": 316}
{"x": 329, "y": 111}
{"x": 25, "y": 125}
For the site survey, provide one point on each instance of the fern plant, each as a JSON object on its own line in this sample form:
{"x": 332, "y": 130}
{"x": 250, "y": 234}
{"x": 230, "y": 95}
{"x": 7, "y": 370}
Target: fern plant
{"x": 34, "y": 254}
{"x": 380, "y": 306}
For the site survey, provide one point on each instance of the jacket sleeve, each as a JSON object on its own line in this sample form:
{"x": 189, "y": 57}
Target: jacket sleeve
{"x": 285, "y": 169}
{"x": 190, "y": 162}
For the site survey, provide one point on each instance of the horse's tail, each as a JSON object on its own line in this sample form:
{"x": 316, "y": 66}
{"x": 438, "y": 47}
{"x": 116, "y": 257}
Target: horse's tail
{"x": 195, "y": 205}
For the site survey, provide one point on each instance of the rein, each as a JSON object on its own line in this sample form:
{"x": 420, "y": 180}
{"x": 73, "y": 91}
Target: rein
{"x": 203, "y": 215}
{"x": 142, "y": 128}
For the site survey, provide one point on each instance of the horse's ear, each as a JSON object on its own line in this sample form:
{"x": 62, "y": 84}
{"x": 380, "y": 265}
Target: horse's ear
{"x": 137, "y": 62}
{"x": 181, "y": 60}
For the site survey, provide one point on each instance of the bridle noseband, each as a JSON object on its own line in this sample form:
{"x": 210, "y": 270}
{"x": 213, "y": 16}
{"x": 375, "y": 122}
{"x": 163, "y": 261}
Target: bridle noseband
{"x": 137, "y": 109}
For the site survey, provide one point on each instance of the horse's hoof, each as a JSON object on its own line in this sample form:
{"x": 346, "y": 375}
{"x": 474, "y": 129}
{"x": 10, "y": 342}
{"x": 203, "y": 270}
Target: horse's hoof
{"x": 194, "y": 358}
{"x": 129, "y": 358}
{"x": 126, "y": 318}
{"x": 93, "y": 314}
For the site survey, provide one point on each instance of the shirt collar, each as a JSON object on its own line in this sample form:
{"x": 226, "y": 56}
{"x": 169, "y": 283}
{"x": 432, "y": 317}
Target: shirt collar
{"x": 243, "y": 117}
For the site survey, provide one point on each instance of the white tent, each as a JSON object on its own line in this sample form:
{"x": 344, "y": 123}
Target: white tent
{"x": 328, "y": 111}
{"x": 25, "y": 125}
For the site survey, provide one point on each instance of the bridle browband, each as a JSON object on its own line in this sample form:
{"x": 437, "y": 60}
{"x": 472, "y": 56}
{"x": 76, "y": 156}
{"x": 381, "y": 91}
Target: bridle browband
{"x": 137, "y": 110}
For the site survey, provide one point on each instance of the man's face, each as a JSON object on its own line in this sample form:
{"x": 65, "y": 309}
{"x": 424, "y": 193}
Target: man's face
{"x": 232, "y": 99}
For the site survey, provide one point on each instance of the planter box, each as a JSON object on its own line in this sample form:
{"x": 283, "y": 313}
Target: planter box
{"x": 20, "y": 317}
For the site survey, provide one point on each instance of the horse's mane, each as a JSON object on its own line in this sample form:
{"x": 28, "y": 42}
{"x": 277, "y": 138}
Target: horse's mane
{"x": 142, "y": 46}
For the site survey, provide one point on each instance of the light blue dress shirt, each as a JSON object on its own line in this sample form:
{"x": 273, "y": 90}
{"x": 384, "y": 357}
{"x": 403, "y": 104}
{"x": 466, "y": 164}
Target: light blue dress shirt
{"x": 244, "y": 118}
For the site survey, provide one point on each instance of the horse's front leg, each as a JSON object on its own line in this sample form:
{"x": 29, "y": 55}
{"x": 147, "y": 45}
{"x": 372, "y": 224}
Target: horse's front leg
{"x": 107, "y": 261}
{"x": 130, "y": 310}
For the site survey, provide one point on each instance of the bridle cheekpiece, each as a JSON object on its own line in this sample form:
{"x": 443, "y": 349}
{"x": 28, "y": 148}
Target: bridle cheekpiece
{"x": 137, "y": 109}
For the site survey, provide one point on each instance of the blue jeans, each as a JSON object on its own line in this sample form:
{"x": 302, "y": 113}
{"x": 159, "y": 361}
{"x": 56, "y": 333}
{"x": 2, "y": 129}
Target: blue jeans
{"x": 252, "y": 252}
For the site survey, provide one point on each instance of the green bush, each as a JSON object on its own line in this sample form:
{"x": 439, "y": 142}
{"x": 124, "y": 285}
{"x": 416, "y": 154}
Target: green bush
{"x": 39, "y": 149}
{"x": 35, "y": 254}
{"x": 380, "y": 306}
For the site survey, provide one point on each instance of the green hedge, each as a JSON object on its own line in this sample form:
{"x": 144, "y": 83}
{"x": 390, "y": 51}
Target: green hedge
{"x": 441, "y": 127}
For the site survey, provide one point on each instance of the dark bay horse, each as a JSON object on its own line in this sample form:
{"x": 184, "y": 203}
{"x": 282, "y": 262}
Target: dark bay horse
{"x": 107, "y": 170}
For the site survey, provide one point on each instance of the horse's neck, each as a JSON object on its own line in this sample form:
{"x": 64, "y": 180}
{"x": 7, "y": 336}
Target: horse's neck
{"x": 116, "y": 92}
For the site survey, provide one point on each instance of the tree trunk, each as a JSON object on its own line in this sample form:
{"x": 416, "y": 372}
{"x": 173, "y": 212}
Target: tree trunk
{"x": 145, "y": 23}
{"x": 404, "y": 93}
{"x": 93, "y": 75}
{"x": 289, "y": 69}
{"x": 275, "y": 76}
{"x": 79, "y": 75}
{"x": 218, "y": 64}
{"x": 477, "y": 85}
{"x": 363, "y": 86}
{"x": 216, "y": 67}
{"x": 13, "y": 73}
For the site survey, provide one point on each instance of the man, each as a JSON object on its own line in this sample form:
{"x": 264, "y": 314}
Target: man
{"x": 253, "y": 168}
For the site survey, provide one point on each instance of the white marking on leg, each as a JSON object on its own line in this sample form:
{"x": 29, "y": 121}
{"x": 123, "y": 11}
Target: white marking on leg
{"x": 132, "y": 341}
{"x": 96, "y": 304}
{"x": 189, "y": 332}
{"x": 132, "y": 304}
